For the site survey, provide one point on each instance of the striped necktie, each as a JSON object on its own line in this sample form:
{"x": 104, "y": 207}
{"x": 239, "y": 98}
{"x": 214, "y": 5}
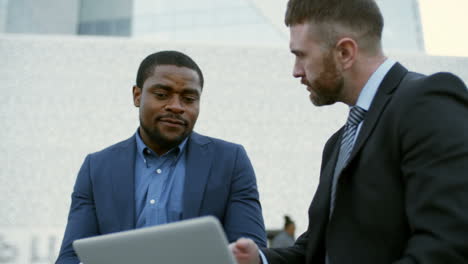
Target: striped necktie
{"x": 356, "y": 115}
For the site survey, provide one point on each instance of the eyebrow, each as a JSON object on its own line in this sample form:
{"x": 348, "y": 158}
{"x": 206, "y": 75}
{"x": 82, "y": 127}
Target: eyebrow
{"x": 187, "y": 90}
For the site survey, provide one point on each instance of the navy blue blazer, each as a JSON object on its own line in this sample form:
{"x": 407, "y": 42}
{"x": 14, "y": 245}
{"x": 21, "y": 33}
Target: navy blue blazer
{"x": 219, "y": 181}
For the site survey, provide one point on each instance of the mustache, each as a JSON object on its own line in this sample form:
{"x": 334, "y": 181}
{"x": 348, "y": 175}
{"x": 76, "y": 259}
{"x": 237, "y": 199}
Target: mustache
{"x": 305, "y": 82}
{"x": 173, "y": 116}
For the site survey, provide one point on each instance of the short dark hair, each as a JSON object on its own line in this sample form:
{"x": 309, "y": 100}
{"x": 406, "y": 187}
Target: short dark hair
{"x": 363, "y": 17}
{"x": 166, "y": 57}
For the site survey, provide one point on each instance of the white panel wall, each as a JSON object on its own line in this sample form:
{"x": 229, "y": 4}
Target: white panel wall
{"x": 62, "y": 98}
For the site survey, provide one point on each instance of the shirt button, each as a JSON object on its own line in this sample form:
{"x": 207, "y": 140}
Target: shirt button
{"x": 147, "y": 151}
{"x": 158, "y": 171}
{"x": 152, "y": 201}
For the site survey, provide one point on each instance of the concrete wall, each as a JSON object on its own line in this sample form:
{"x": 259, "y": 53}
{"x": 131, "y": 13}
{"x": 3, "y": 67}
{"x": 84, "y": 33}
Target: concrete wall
{"x": 64, "y": 97}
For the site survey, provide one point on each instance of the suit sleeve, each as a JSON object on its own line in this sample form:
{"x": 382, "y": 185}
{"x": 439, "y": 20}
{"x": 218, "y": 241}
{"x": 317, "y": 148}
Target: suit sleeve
{"x": 82, "y": 220}
{"x": 289, "y": 255}
{"x": 296, "y": 254}
{"x": 434, "y": 165}
{"x": 243, "y": 216}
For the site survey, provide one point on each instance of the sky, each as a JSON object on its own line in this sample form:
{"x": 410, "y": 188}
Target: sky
{"x": 444, "y": 26}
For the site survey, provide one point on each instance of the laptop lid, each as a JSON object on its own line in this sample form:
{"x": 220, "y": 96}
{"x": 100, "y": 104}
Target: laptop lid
{"x": 197, "y": 241}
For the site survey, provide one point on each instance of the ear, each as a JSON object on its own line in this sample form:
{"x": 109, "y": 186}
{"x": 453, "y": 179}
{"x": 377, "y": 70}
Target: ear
{"x": 136, "y": 95}
{"x": 347, "y": 50}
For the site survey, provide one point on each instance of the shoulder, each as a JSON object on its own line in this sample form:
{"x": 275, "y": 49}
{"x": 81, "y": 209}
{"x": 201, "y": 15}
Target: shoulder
{"x": 415, "y": 84}
{"x": 221, "y": 150}
{"x": 421, "y": 106}
{"x": 214, "y": 142}
{"x": 438, "y": 89}
{"x": 444, "y": 81}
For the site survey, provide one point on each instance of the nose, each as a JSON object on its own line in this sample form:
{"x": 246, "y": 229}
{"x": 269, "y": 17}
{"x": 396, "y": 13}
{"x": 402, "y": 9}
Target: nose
{"x": 298, "y": 70}
{"x": 175, "y": 105}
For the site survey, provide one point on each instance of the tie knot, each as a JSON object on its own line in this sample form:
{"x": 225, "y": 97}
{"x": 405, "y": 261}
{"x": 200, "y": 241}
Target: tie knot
{"x": 356, "y": 115}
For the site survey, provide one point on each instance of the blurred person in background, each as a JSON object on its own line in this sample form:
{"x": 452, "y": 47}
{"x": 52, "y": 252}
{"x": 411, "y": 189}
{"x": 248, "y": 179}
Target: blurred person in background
{"x": 285, "y": 238}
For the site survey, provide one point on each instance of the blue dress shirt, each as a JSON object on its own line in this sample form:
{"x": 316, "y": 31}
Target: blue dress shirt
{"x": 159, "y": 184}
{"x": 367, "y": 94}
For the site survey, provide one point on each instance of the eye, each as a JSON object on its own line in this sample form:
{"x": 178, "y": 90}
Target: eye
{"x": 160, "y": 95}
{"x": 190, "y": 98}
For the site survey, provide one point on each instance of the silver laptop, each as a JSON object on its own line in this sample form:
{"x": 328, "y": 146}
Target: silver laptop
{"x": 197, "y": 241}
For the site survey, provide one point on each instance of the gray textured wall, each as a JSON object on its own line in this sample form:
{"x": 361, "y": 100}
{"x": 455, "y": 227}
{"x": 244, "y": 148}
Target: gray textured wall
{"x": 64, "y": 97}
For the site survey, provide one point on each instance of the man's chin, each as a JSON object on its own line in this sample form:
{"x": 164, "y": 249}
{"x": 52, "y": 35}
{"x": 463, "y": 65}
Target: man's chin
{"x": 172, "y": 140}
{"x": 167, "y": 140}
{"x": 321, "y": 101}
{"x": 316, "y": 101}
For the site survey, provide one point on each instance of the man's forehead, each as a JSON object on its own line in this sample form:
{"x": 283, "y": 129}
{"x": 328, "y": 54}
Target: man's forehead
{"x": 173, "y": 69}
{"x": 176, "y": 72}
{"x": 169, "y": 75}
{"x": 297, "y": 34}
{"x": 305, "y": 34}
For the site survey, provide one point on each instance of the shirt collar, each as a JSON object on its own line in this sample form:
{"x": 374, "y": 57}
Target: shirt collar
{"x": 142, "y": 148}
{"x": 370, "y": 89}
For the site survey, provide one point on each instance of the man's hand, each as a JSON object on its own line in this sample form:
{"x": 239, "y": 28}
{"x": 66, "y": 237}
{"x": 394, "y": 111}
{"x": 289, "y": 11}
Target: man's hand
{"x": 245, "y": 251}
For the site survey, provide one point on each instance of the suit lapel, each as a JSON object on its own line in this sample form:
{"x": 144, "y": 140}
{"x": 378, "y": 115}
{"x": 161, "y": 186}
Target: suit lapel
{"x": 381, "y": 99}
{"x": 319, "y": 209}
{"x": 123, "y": 184}
{"x": 329, "y": 168}
{"x": 199, "y": 160}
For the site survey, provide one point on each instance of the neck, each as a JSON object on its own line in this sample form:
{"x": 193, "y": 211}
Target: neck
{"x": 358, "y": 76}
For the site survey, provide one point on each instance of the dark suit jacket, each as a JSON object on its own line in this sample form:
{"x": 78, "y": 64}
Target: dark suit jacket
{"x": 403, "y": 197}
{"x": 219, "y": 181}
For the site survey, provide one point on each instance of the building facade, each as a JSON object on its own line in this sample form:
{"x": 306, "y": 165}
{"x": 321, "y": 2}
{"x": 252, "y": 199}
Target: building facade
{"x": 208, "y": 21}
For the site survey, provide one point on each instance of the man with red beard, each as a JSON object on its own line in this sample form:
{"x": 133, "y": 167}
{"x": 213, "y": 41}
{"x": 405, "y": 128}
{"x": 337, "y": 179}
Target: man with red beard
{"x": 165, "y": 172}
{"x": 394, "y": 179}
